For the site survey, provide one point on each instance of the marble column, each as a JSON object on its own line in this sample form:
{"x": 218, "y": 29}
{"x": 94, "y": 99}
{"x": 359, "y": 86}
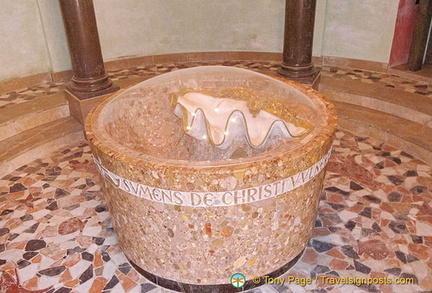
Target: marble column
{"x": 420, "y": 36}
{"x": 89, "y": 78}
{"x": 297, "y": 53}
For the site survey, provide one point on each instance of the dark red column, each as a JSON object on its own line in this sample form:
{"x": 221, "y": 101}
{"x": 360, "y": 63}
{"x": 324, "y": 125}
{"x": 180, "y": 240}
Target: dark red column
{"x": 298, "y": 37}
{"x": 89, "y": 77}
{"x": 420, "y": 36}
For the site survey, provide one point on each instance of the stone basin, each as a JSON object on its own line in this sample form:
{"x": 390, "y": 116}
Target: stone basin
{"x": 189, "y": 213}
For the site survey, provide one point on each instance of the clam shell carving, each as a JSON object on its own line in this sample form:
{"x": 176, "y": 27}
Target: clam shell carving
{"x": 220, "y": 120}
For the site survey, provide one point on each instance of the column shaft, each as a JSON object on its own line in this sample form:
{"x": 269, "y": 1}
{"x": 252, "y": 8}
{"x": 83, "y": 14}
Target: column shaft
{"x": 298, "y": 38}
{"x": 89, "y": 77}
{"x": 420, "y": 37}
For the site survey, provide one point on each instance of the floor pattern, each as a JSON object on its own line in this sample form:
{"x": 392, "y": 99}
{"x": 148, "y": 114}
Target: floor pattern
{"x": 375, "y": 221}
{"x": 386, "y": 80}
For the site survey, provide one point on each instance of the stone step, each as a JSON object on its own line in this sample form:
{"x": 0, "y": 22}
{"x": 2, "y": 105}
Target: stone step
{"x": 35, "y": 128}
{"x": 41, "y": 110}
{"x": 409, "y": 106}
{"x": 38, "y": 142}
{"x": 404, "y": 134}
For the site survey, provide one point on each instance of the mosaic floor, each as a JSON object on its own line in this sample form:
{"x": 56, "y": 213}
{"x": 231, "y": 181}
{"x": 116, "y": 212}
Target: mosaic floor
{"x": 375, "y": 221}
{"x": 385, "y": 80}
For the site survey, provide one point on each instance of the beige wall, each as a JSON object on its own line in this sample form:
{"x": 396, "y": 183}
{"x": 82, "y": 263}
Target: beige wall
{"x": 34, "y": 40}
{"x": 23, "y": 49}
{"x": 55, "y": 36}
{"x": 359, "y": 29}
{"x": 136, "y": 28}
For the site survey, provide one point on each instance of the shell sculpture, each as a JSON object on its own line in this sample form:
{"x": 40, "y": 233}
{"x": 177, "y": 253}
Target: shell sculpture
{"x": 222, "y": 119}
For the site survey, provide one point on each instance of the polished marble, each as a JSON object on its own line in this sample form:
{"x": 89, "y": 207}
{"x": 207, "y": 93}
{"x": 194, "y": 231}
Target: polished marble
{"x": 374, "y": 221}
{"x": 268, "y": 67}
{"x": 375, "y": 214}
{"x": 164, "y": 190}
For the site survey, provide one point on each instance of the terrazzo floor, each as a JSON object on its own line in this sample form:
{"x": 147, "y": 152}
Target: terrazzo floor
{"x": 375, "y": 221}
{"x": 375, "y": 216}
{"x": 386, "y": 80}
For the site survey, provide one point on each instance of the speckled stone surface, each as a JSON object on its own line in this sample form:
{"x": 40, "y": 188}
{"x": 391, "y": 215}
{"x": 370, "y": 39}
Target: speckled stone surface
{"x": 200, "y": 245}
{"x": 374, "y": 221}
{"x": 374, "y": 215}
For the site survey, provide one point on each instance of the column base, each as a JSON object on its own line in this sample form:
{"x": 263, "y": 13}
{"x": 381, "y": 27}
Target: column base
{"x": 79, "y": 108}
{"x": 215, "y": 288}
{"x": 312, "y": 78}
{"x": 85, "y": 91}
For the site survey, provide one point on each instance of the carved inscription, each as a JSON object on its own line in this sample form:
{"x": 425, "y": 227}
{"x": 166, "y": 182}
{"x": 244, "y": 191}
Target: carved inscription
{"x": 213, "y": 199}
